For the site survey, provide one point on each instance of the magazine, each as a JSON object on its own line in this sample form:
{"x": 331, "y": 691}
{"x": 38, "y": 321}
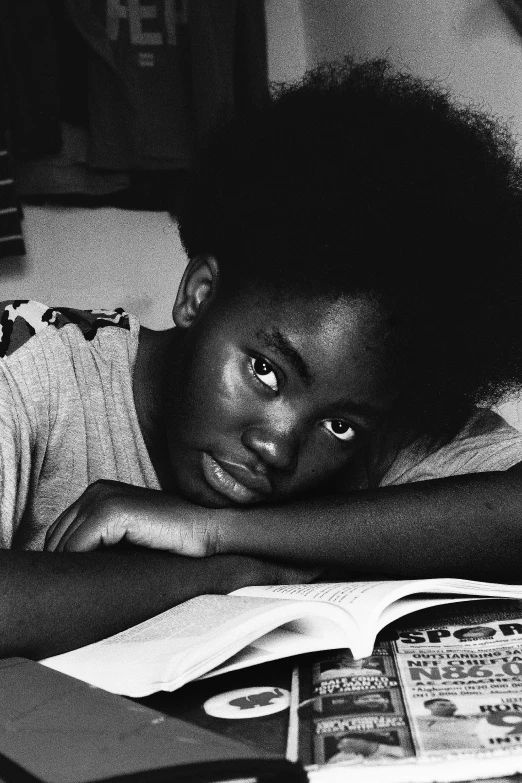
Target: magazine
{"x": 212, "y": 634}
{"x": 436, "y": 703}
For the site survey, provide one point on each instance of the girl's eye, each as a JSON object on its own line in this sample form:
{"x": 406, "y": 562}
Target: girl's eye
{"x": 341, "y": 429}
{"x": 264, "y": 372}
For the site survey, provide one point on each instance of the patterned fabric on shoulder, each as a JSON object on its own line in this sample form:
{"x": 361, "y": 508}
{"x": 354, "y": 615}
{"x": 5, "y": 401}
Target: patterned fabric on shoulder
{"x": 20, "y": 319}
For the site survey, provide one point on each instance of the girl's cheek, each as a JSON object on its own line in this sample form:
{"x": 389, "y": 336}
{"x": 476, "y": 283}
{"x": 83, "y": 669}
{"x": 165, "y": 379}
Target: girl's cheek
{"x": 228, "y": 382}
{"x": 235, "y": 390}
{"x": 322, "y": 461}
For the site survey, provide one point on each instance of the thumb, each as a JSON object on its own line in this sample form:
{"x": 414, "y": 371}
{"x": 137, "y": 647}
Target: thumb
{"x": 296, "y": 574}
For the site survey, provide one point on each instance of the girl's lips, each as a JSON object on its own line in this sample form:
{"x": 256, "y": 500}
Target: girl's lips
{"x": 223, "y": 482}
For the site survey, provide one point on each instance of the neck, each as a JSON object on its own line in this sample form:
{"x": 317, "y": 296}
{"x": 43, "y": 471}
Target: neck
{"x": 157, "y": 352}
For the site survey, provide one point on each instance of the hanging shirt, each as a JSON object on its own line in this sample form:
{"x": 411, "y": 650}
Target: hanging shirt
{"x": 164, "y": 73}
{"x": 138, "y": 82}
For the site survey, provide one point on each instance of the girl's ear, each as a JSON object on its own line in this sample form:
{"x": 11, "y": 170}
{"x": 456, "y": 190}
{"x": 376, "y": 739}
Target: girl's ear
{"x": 196, "y": 291}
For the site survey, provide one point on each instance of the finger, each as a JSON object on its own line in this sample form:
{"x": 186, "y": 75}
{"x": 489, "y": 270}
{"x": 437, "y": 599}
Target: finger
{"x": 295, "y": 574}
{"x": 75, "y": 518}
{"x": 148, "y": 530}
{"x": 87, "y": 526}
{"x": 92, "y": 529}
{"x": 59, "y": 527}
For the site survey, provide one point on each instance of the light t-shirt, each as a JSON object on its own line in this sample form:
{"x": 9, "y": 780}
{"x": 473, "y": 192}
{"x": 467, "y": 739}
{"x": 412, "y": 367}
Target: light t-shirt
{"x": 67, "y": 414}
{"x": 486, "y": 443}
{"x": 67, "y": 419}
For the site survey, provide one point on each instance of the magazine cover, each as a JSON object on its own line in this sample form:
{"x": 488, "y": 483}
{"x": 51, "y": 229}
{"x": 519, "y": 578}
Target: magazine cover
{"x": 441, "y": 701}
{"x": 352, "y": 710}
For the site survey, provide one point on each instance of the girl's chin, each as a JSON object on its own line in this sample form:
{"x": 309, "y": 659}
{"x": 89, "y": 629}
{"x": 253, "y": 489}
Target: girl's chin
{"x": 203, "y": 496}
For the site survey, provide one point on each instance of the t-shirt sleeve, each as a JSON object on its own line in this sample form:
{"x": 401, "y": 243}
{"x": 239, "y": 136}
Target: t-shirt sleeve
{"x": 21, "y": 319}
{"x": 60, "y": 369}
{"x": 486, "y": 443}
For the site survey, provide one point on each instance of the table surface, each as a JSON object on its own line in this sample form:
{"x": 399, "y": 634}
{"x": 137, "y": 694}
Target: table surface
{"x": 269, "y": 732}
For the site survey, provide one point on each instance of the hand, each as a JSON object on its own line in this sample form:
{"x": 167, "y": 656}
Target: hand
{"x": 110, "y": 512}
{"x": 244, "y": 571}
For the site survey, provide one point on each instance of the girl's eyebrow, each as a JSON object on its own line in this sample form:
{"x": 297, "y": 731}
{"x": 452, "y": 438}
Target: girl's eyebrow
{"x": 278, "y": 342}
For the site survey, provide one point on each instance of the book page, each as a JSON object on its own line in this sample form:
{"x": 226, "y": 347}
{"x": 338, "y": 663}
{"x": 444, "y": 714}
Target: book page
{"x": 363, "y": 600}
{"x": 144, "y": 657}
{"x": 284, "y": 642}
{"x": 343, "y": 593}
{"x": 189, "y": 621}
{"x": 368, "y": 602}
{"x": 188, "y": 640}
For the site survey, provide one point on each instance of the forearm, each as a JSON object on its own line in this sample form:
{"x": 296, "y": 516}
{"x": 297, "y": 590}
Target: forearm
{"x": 466, "y": 526}
{"x": 53, "y": 602}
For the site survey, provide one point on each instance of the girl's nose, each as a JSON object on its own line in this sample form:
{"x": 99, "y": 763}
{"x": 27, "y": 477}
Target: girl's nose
{"x": 276, "y": 448}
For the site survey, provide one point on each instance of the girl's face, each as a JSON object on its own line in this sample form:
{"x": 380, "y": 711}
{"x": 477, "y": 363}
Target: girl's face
{"x": 273, "y": 396}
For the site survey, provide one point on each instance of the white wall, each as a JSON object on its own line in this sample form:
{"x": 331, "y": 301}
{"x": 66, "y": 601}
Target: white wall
{"x": 287, "y": 45}
{"x": 98, "y": 258}
{"x": 468, "y": 45}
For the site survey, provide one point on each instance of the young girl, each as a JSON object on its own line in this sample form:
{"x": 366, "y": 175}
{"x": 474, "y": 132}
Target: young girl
{"x": 323, "y": 402}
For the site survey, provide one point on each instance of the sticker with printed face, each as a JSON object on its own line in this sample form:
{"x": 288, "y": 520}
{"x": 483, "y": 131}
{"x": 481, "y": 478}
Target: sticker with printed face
{"x": 251, "y": 702}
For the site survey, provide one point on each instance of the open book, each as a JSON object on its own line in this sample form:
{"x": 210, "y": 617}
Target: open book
{"x": 212, "y": 634}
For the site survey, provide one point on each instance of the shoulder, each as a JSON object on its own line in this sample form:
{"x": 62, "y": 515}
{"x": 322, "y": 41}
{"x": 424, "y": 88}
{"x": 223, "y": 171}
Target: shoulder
{"x": 486, "y": 443}
{"x": 22, "y": 319}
